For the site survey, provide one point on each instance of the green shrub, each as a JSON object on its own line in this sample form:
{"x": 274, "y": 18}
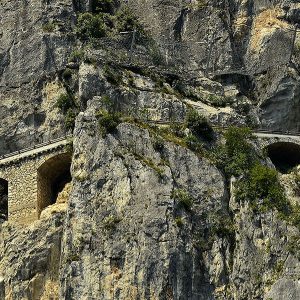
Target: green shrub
{"x": 293, "y": 246}
{"x": 126, "y": 21}
{"x": 65, "y": 102}
{"x": 150, "y": 163}
{"x": 103, "y": 6}
{"x": 183, "y": 198}
{"x": 297, "y": 184}
{"x": 49, "y": 27}
{"x": 70, "y": 119}
{"x": 179, "y": 221}
{"x": 219, "y": 101}
{"x": 222, "y": 225}
{"x": 76, "y": 56}
{"x": 91, "y": 26}
{"x": 110, "y": 222}
{"x": 69, "y": 146}
{"x": 294, "y": 216}
{"x": 108, "y": 121}
{"x": 262, "y": 188}
{"x": 108, "y": 103}
{"x": 177, "y": 129}
{"x": 237, "y": 156}
{"x": 199, "y": 125}
{"x": 193, "y": 143}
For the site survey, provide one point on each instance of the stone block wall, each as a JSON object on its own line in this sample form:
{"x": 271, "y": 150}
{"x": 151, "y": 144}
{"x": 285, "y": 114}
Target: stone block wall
{"x": 24, "y": 186}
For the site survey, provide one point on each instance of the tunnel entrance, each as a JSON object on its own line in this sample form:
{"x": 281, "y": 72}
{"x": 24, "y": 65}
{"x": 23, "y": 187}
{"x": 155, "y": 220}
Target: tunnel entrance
{"x": 284, "y": 155}
{"x": 53, "y": 175}
{"x": 3, "y": 200}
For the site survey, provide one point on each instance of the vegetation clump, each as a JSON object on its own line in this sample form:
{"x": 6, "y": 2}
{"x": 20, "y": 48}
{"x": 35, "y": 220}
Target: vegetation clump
{"x": 76, "y": 56}
{"x": 111, "y": 221}
{"x": 91, "y": 26}
{"x": 183, "y": 198}
{"x": 103, "y": 6}
{"x": 49, "y": 27}
{"x": 258, "y": 183}
{"x": 106, "y": 20}
{"x": 108, "y": 121}
{"x": 113, "y": 75}
{"x": 262, "y": 188}
{"x": 65, "y": 102}
{"x": 199, "y": 125}
{"x": 237, "y": 155}
{"x": 179, "y": 221}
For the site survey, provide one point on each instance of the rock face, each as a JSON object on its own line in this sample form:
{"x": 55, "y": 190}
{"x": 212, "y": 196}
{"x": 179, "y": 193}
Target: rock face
{"x": 36, "y": 40}
{"x": 149, "y": 216}
{"x": 125, "y": 229}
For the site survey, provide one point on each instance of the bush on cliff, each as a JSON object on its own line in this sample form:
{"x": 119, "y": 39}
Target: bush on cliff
{"x": 237, "y": 155}
{"x": 108, "y": 121}
{"x": 91, "y": 26}
{"x": 199, "y": 125}
{"x": 262, "y": 188}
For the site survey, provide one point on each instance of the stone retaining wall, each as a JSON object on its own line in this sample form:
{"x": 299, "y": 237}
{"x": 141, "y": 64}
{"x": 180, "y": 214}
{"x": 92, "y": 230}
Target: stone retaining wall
{"x": 22, "y": 177}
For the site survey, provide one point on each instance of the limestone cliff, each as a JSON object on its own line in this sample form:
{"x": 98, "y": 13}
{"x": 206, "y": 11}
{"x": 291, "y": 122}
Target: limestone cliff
{"x": 160, "y": 205}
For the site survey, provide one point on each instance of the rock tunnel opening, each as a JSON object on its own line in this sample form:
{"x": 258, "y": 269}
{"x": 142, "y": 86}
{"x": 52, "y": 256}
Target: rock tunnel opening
{"x": 284, "y": 155}
{"x": 53, "y": 175}
{"x": 3, "y": 199}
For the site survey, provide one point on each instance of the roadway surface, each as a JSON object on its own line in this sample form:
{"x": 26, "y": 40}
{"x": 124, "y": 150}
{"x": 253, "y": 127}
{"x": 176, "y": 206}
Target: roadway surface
{"x": 33, "y": 150}
{"x": 64, "y": 141}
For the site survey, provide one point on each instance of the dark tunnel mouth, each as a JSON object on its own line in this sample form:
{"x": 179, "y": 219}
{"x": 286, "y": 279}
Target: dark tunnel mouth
{"x": 284, "y": 155}
{"x": 59, "y": 183}
{"x": 3, "y": 199}
{"x": 53, "y": 175}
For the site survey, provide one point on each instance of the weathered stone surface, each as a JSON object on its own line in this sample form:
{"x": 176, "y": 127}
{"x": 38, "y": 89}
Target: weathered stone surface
{"x": 30, "y": 259}
{"x": 126, "y": 217}
{"x": 125, "y": 235}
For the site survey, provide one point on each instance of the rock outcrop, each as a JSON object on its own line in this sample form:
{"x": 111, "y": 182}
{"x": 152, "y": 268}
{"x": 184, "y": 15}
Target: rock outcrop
{"x": 149, "y": 213}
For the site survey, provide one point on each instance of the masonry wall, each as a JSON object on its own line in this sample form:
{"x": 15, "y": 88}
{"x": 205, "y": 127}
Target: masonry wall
{"x": 22, "y": 177}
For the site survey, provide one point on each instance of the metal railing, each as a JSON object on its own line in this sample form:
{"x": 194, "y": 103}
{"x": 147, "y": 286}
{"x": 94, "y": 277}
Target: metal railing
{"x": 36, "y": 146}
{"x": 155, "y": 122}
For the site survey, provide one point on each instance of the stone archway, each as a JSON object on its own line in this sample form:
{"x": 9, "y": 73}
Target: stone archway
{"x": 284, "y": 155}
{"x": 3, "y": 199}
{"x": 52, "y": 176}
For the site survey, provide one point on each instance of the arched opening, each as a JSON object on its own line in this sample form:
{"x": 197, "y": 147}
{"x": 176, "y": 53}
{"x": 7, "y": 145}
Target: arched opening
{"x": 3, "y": 200}
{"x": 284, "y": 155}
{"x": 53, "y": 175}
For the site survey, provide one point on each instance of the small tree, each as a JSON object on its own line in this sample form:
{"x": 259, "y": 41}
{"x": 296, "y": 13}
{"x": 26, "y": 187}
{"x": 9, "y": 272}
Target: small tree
{"x": 262, "y": 188}
{"x": 91, "y": 26}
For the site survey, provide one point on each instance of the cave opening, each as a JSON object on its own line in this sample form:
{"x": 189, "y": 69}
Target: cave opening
{"x": 284, "y": 155}
{"x": 53, "y": 175}
{"x": 3, "y": 199}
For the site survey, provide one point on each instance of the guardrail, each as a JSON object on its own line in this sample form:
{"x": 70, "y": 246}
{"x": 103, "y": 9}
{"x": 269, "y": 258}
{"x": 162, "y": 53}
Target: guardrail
{"x": 37, "y": 146}
{"x": 158, "y": 122}
{"x": 221, "y": 126}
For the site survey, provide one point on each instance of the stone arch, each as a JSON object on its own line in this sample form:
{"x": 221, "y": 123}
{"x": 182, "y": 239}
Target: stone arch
{"x": 3, "y": 199}
{"x": 284, "y": 155}
{"x": 52, "y": 176}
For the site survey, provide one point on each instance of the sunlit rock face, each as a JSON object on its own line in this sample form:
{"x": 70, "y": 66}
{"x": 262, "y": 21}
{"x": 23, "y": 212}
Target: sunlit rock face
{"x": 144, "y": 216}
